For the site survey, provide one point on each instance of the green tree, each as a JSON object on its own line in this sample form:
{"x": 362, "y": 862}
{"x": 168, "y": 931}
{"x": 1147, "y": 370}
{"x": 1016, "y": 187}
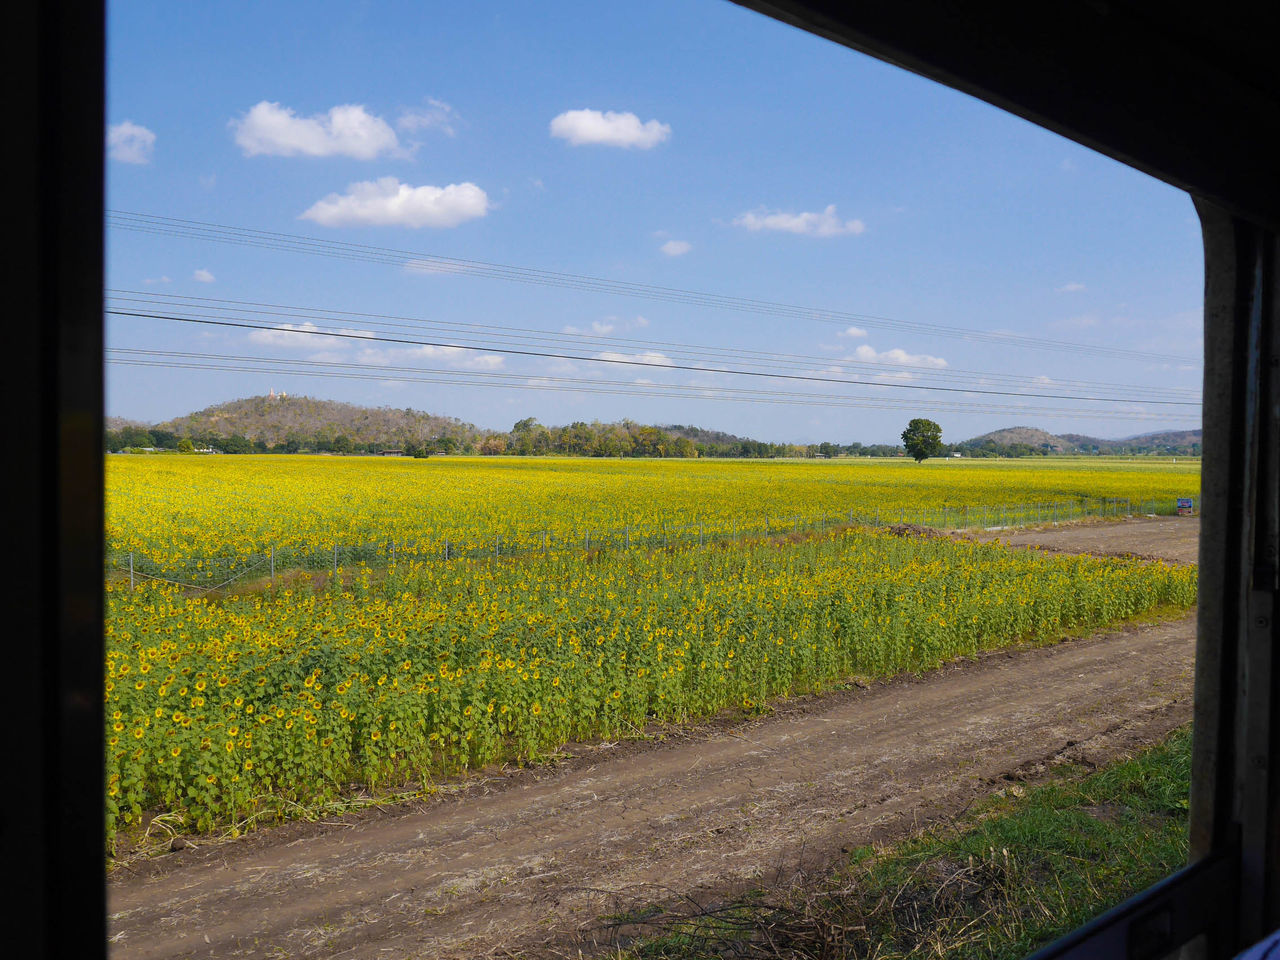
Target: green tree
{"x": 923, "y": 439}
{"x": 186, "y": 446}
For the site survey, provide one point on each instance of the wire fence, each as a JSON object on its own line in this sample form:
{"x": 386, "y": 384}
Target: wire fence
{"x": 216, "y": 572}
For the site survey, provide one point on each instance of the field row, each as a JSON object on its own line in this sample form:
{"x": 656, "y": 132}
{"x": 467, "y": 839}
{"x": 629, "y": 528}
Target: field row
{"x": 177, "y": 511}
{"x": 221, "y": 711}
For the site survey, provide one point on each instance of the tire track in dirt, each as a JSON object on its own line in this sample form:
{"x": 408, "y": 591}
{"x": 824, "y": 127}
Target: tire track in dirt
{"x": 528, "y": 862}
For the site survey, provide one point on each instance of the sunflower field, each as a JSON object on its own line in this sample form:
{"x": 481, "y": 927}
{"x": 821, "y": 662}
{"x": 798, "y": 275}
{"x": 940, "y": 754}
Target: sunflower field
{"x": 226, "y": 710}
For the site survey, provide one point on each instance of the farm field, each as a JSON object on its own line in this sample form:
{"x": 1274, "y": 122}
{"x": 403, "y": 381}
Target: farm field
{"x": 230, "y": 711}
{"x": 542, "y": 860}
{"x": 176, "y": 509}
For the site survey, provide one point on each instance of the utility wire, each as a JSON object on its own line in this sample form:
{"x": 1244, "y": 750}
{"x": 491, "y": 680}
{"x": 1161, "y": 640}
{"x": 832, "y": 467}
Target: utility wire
{"x": 328, "y": 369}
{"x": 636, "y": 362}
{"x": 523, "y": 336}
{"x": 427, "y": 262}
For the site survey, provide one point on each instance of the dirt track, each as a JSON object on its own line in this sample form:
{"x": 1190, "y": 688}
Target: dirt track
{"x": 527, "y": 861}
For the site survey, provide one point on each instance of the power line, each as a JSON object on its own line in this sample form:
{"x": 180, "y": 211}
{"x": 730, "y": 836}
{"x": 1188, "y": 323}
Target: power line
{"x": 365, "y": 337}
{"x": 428, "y": 262}
{"x": 523, "y": 336}
{"x": 351, "y": 371}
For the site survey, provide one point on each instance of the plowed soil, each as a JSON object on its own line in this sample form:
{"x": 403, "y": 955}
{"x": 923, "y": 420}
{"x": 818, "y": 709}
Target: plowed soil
{"x": 527, "y": 862}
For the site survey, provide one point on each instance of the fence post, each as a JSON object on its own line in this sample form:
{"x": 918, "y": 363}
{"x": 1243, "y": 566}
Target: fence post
{"x": 273, "y": 561}
{"x": 130, "y": 569}
{"x": 335, "y": 560}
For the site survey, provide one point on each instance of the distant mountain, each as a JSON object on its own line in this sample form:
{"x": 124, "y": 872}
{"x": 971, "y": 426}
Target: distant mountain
{"x": 119, "y": 423}
{"x": 1031, "y": 436}
{"x": 1015, "y": 441}
{"x": 703, "y": 435}
{"x": 277, "y": 419}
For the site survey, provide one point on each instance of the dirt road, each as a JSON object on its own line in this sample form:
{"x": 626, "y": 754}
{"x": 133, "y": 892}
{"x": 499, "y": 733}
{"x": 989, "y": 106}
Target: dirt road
{"x": 525, "y": 862}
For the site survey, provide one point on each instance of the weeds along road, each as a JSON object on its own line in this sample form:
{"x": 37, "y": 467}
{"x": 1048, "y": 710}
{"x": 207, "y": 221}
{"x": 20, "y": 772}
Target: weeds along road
{"x": 526, "y": 862}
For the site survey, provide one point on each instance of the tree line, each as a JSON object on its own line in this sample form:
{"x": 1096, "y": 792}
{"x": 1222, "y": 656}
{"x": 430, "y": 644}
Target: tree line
{"x": 526, "y": 438}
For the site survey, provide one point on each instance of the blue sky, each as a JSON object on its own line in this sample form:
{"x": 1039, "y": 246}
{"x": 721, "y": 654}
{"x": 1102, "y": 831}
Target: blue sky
{"x": 691, "y": 145}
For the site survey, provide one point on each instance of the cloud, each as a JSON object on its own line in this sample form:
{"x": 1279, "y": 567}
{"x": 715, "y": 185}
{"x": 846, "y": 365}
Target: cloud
{"x": 868, "y": 354}
{"x": 676, "y": 248}
{"x": 388, "y": 202}
{"x": 648, "y": 356}
{"x": 130, "y": 142}
{"x": 609, "y": 128}
{"x": 599, "y": 328}
{"x": 852, "y": 332}
{"x": 1073, "y": 287}
{"x": 209, "y": 182}
{"x": 436, "y": 115}
{"x": 305, "y": 335}
{"x": 347, "y": 131}
{"x": 203, "y": 275}
{"x": 602, "y": 328}
{"x": 457, "y": 357}
{"x": 153, "y": 280}
{"x": 824, "y": 224}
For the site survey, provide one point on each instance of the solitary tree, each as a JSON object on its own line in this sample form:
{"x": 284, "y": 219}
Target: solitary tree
{"x": 923, "y": 439}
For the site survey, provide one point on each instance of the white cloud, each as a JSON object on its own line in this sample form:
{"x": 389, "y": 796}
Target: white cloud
{"x": 824, "y": 224}
{"x": 303, "y": 335}
{"x": 599, "y": 328}
{"x": 648, "y": 356}
{"x": 347, "y": 130}
{"x": 457, "y": 357}
{"x": 388, "y": 202}
{"x": 602, "y": 328}
{"x": 676, "y": 248}
{"x": 203, "y": 275}
{"x": 1073, "y": 287}
{"x": 306, "y": 336}
{"x": 152, "y": 280}
{"x": 852, "y": 332}
{"x": 130, "y": 142}
{"x": 609, "y": 128}
{"x": 868, "y": 354}
{"x": 436, "y": 115}
{"x": 209, "y": 182}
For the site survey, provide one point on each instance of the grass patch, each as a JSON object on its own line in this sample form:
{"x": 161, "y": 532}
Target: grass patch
{"x": 1018, "y": 872}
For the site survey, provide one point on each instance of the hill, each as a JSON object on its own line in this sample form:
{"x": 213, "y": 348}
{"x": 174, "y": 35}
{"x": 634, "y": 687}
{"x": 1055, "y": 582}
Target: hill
{"x": 1023, "y": 441}
{"x": 275, "y": 420}
{"x": 298, "y": 423}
